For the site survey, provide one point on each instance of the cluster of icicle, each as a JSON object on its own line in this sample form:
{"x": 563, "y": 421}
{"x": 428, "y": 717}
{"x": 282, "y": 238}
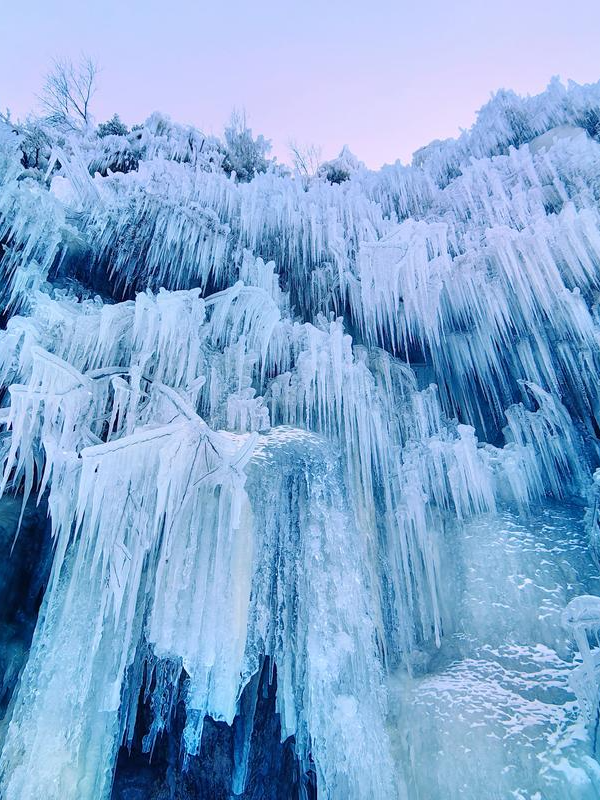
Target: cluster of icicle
{"x": 251, "y": 446}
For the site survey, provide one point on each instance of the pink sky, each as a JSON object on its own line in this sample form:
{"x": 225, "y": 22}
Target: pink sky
{"x": 382, "y": 77}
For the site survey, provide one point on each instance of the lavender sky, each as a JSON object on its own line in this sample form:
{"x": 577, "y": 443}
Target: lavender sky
{"x": 383, "y": 77}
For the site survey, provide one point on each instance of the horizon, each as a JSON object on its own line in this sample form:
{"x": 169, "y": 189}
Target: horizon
{"x": 385, "y": 80}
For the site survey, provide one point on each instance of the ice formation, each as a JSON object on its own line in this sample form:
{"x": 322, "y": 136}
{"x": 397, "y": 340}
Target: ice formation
{"x": 335, "y": 432}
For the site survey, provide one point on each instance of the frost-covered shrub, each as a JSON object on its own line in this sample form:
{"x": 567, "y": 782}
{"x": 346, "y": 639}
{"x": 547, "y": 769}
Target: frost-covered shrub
{"x": 339, "y": 169}
{"x": 244, "y": 155}
{"x": 159, "y": 137}
{"x": 117, "y": 151}
{"x": 117, "y": 154}
{"x": 36, "y": 147}
{"x": 113, "y": 127}
{"x": 30, "y": 138}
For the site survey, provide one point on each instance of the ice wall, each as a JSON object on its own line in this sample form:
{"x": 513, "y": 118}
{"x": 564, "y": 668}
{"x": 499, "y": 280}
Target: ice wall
{"x": 265, "y": 416}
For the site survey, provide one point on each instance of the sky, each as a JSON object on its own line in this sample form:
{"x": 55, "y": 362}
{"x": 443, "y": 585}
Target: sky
{"x": 382, "y": 76}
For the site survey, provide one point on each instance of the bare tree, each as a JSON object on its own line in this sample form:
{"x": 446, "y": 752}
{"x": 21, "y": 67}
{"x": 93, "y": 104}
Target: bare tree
{"x": 306, "y": 159}
{"x": 68, "y": 91}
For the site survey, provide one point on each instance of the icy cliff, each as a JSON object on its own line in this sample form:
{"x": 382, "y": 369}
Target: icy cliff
{"x": 323, "y": 442}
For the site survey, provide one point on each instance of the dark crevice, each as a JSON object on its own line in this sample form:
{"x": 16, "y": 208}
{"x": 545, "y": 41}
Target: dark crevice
{"x": 25, "y": 563}
{"x": 272, "y": 770}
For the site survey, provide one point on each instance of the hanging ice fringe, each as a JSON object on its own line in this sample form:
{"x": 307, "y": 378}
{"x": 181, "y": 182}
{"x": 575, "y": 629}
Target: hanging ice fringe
{"x": 261, "y": 413}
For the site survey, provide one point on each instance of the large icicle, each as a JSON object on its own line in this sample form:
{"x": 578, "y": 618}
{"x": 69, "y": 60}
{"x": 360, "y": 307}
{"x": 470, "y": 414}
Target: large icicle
{"x": 111, "y": 586}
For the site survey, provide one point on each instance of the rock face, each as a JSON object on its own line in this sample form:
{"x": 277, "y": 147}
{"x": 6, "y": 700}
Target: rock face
{"x": 26, "y": 561}
{"x": 250, "y": 747}
{"x": 314, "y": 455}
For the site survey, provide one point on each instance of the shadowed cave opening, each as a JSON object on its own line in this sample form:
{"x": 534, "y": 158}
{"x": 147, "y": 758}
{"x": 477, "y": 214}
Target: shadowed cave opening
{"x": 272, "y": 769}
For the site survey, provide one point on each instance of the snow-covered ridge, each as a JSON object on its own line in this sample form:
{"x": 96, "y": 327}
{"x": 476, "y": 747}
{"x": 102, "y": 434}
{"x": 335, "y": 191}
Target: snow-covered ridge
{"x": 257, "y": 407}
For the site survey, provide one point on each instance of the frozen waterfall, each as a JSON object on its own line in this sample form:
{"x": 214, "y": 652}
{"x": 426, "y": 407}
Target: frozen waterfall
{"x": 318, "y": 463}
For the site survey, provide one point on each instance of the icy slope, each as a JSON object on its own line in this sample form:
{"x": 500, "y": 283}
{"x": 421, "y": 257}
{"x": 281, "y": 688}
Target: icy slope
{"x": 312, "y": 426}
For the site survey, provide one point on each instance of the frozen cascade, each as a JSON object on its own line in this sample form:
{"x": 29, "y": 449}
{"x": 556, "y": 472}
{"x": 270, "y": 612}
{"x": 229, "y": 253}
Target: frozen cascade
{"x": 308, "y": 449}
